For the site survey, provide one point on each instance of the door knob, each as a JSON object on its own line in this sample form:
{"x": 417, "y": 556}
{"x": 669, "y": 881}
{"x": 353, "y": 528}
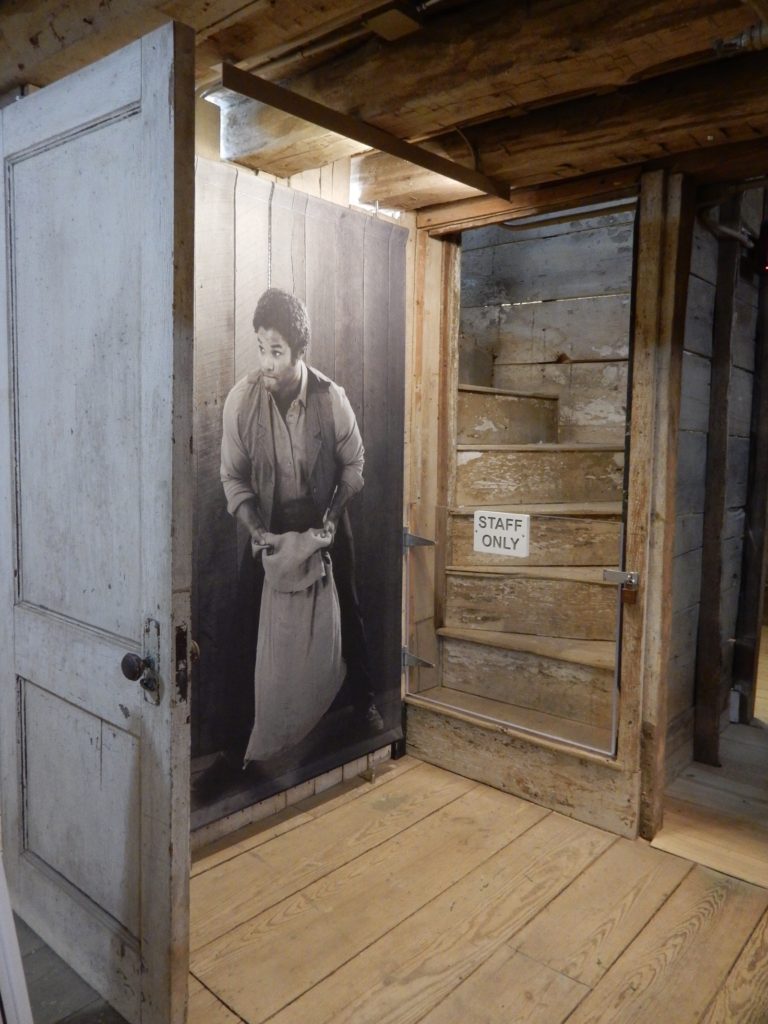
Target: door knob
{"x": 133, "y": 666}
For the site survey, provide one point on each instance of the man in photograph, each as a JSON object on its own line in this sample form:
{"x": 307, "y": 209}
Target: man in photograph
{"x": 291, "y": 459}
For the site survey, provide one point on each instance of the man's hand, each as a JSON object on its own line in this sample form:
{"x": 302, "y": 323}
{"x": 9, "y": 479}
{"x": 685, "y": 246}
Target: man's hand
{"x": 329, "y": 526}
{"x": 258, "y": 541}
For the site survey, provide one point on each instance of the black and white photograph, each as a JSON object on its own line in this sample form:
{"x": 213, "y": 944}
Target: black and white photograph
{"x": 298, "y": 502}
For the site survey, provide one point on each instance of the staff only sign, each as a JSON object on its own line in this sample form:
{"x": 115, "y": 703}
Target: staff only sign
{"x": 502, "y": 533}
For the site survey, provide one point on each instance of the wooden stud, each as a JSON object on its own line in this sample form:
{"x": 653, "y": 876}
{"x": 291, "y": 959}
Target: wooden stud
{"x": 663, "y": 259}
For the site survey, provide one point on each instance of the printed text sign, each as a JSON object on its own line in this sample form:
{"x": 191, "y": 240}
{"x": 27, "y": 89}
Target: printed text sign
{"x": 502, "y": 533}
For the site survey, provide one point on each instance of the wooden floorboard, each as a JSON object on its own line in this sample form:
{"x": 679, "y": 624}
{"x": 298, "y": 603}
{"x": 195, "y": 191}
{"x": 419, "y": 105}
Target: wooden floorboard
{"x": 447, "y": 902}
{"x": 719, "y": 816}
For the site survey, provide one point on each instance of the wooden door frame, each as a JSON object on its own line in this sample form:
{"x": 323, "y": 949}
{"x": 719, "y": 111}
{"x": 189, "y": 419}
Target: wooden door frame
{"x": 634, "y": 778}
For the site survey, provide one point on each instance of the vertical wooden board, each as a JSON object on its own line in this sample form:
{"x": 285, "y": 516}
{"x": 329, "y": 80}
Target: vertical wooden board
{"x": 215, "y": 538}
{"x": 251, "y": 213}
{"x": 738, "y": 472}
{"x": 744, "y": 325}
{"x": 299, "y": 246}
{"x": 285, "y": 274}
{"x": 740, "y": 402}
{"x": 679, "y": 747}
{"x": 682, "y": 957}
{"x": 691, "y": 472}
{"x": 700, "y": 315}
{"x": 682, "y": 661}
{"x": 396, "y": 385}
{"x": 686, "y": 579}
{"x": 373, "y": 570}
{"x": 584, "y": 930}
{"x": 704, "y": 253}
{"x": 688, "y": 532}
{"x": 348, "y": 249}
{"x": 694, "y": 406}
{"x": 321, "y": 284}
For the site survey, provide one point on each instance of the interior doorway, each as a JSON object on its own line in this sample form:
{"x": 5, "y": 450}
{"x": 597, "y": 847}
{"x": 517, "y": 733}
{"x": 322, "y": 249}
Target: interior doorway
{"x": 530, "y": 532}
{"x": 716, "y": 803}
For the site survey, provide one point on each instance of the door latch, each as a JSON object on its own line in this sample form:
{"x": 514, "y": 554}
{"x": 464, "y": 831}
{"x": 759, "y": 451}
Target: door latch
{"x": 626, "y": 580}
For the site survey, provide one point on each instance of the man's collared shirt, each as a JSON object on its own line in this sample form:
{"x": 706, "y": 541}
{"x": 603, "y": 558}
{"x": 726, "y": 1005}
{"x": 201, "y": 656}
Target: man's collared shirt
{"x": 239, "y": 443}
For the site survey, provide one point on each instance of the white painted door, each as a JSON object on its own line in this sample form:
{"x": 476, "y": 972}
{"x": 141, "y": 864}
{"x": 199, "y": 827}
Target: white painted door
{"x": 95, "y": 499}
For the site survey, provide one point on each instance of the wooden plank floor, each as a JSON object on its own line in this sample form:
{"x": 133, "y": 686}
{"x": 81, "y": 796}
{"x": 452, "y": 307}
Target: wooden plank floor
{"x": 426, "y": 897}
{"x": 719, "y": 816}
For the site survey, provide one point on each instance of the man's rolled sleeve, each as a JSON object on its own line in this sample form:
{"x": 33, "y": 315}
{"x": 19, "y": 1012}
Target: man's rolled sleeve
{"x": 350, "y": 454}
{"x": 235, "y": 463}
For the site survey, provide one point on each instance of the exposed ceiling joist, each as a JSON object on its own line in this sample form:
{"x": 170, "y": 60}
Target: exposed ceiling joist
{"x": 349, "y": 127}
{"x": 475, "y": 63}
{"x": 654, "y": 120}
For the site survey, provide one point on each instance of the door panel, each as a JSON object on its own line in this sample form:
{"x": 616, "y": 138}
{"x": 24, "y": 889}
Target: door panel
{"x": 95, "y": 489}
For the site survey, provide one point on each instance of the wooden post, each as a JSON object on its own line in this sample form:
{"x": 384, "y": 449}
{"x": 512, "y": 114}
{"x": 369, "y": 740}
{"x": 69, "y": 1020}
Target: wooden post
{"x": 709, "y": 649}
{"x": 663, "y": 261}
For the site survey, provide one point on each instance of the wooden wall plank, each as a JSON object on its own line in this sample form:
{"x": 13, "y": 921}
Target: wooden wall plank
{"x": 701, "y": 309}
{"x": 588, "y": 262}
{"x": 577, "y": 785}
{"x": 694, "y": 408}
{"x": 556, "y": 331}
{"x": 214, "y": 374}
{"x": 722, "y": 491}
{"x": 749, "y": 624}
{"x": 249, "y": 266}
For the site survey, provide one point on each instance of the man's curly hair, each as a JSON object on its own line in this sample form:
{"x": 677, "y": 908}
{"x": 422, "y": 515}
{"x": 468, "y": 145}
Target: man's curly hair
{"x": 282, "y": 312}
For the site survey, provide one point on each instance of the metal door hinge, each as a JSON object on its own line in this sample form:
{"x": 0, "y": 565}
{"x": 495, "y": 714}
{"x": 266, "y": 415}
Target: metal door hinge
{"x": 626, "y": 580}
{"x": 412, "y": 540}
{"x": 409, "y": 660}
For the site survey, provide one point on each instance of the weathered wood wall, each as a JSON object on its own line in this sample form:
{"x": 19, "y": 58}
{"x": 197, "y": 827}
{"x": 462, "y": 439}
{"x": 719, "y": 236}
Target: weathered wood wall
{"x": 350, "y": 269}
{"x": 545, "y": 309}
{"x": 692, "y": 481}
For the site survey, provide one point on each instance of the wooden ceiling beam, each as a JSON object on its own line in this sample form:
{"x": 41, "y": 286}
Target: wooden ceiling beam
{"x": 760, "y": 7}
{"x": 484, "y": 59}
{"x": 42, "y": 40}
{"x": 351, "y": 128}
{"x": 692, "y": 110}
